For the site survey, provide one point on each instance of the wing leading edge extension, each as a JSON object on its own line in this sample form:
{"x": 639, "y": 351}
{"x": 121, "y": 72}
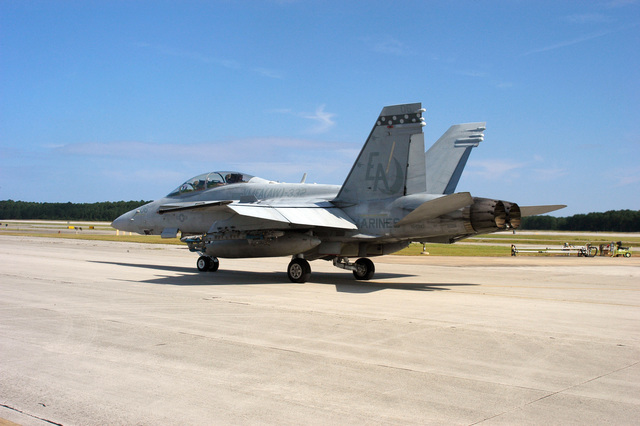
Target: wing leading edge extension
{"x": 174, "y": 207}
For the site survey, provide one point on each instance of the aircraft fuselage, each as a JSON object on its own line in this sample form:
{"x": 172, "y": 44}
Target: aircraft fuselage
{"x": 382, "y": 206}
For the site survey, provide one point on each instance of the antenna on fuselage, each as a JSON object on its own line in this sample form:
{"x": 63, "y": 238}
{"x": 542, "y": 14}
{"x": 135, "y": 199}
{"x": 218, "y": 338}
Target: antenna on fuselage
{"x": 304, "y": 178}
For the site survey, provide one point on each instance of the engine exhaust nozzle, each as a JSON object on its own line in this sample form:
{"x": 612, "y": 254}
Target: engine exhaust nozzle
{"x": 514, "y": 215}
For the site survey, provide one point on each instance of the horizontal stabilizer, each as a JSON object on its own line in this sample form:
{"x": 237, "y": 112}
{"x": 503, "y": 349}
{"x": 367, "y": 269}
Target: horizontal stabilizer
{"x": 438, "y": 207}
{"x": 191, "y": 205}
{"x": 535, "y": 210}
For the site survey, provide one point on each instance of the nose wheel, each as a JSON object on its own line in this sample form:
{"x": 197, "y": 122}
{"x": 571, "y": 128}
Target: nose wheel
{"x": 299, "y": 270}
{"x": 207, "y": 263}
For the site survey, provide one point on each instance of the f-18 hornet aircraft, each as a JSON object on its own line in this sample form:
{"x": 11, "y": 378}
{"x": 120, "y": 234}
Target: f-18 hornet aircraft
{"x": 394, "y": 194}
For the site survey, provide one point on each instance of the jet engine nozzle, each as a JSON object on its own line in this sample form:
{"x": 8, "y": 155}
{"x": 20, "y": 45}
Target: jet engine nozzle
{"x": 487, "y": 215}
{"x": 514, "y": 216}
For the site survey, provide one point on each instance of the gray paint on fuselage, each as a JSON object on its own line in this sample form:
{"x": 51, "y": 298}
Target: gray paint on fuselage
{"x": 266, "y": 192}
{"x": 379, "y": 218}
{"x": 200, "y": 221}
{"x": 376, "y": 218}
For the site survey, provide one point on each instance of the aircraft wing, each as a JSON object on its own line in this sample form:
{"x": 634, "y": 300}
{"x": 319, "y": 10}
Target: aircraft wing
{"x": 264, "y": 216}
{"x": 310, "y": 215}
{"x": 535, "y": 210}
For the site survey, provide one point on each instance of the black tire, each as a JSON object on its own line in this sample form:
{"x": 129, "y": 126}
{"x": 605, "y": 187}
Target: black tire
{"x": 203, "y": 263}
{"x": 298, "y": 271}
{"x": 215, "y": 264}
{"x": 364, "y": 269}
{"x": 627, "y": 255}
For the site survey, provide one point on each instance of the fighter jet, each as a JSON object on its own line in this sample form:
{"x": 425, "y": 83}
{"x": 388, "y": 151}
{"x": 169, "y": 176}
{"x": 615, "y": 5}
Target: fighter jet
{"x": 394, "y": 194}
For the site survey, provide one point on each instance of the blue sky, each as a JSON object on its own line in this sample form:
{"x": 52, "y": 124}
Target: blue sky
{"x": 124, "y": 100}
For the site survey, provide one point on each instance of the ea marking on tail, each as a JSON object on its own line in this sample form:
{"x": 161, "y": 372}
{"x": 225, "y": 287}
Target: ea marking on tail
{"x": 381, "y": 176}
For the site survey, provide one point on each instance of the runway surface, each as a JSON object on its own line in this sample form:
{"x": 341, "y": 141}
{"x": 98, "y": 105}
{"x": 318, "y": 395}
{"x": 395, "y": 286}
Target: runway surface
{"x": 121, "y": 333}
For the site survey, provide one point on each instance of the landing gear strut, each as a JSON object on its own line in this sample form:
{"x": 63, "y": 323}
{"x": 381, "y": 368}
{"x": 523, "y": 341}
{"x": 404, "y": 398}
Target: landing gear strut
{"x": 363, "y": 269}
{"x": 207, "y": 263}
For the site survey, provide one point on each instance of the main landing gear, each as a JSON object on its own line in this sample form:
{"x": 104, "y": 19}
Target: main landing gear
{"x": 363, "y": 269}
{"x": 299, "y": 270}
{"x": 207, "y": 263}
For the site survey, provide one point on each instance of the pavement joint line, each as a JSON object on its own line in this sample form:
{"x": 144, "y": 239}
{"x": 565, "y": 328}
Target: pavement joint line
{"x": 558, "y": 392}
{"x": 30, "y": 415}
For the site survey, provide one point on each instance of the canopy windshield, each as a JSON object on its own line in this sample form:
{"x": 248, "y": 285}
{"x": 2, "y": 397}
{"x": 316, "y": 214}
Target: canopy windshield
{"x": 208, "y": 181}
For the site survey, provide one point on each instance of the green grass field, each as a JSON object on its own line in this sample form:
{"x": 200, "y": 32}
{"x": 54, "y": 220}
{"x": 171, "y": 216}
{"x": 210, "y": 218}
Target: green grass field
{"x": 415, "y": 249}
{"x": 573, "y": 238}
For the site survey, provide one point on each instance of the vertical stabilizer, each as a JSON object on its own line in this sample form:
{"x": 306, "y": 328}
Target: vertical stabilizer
{"x": 391, "y": 163}
{"x": 446, "y": 159}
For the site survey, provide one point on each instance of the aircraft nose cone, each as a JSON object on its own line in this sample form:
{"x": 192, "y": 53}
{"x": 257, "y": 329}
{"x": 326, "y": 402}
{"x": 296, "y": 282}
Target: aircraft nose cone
{"x": 124, "y": 222}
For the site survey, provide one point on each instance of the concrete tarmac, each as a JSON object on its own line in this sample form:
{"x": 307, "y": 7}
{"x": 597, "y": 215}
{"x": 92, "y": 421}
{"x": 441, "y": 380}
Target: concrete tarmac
{"x": 96, "y": 333}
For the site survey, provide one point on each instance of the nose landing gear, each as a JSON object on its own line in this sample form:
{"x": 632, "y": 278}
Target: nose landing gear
{"x": 298, "y": 270}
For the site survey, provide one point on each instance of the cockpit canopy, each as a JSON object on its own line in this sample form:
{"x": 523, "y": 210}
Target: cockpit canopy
{"x": 208, "y": 181}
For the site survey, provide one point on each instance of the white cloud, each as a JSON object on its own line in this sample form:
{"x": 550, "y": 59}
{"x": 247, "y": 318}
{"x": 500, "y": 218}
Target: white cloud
{"x": 471, "y": 73}
{"x": 160, "y": 167}
{"x": 323, "y": 119}
{"x": 588, "y": 18}
{"x": 268, "y": 73}
{"x": 536, "y": 169}
{"x": 567, "y": 43}
{"x": 628, "y": 180}
{"x": 246, "y": 148}
{"x": 627, "y": 176}
{"x": 206, "y": 59}
{"x": 620, "y": 3}
{"x": 387, "y": 45}
{"x": 391, "y": 46}
{"x": 504, "y": 85}
{"x": 548, "y": 174}
{"x": 492, "y": 169}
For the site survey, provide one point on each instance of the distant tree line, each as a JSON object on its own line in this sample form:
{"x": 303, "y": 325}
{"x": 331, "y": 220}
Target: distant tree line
{"x": 612, "y": 220}
{"x": 104, "y": 211}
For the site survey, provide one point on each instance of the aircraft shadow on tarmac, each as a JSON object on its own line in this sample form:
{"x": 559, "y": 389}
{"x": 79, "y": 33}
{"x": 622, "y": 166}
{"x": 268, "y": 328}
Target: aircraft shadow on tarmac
{"x": 343, "y": 281}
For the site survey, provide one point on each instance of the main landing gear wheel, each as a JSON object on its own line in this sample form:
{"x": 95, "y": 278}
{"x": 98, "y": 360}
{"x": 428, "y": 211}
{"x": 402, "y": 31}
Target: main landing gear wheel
{"x": 364, "y": 269}
{"x": 299, "y": 270}
{"x": 215, "y": 264}
{"x": 206, "y": 263}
